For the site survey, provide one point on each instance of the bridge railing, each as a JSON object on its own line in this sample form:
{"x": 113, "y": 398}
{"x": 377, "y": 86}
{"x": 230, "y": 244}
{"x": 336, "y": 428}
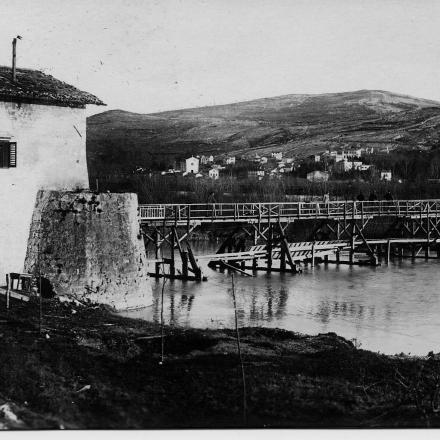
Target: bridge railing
{"x": 264, "y": 211}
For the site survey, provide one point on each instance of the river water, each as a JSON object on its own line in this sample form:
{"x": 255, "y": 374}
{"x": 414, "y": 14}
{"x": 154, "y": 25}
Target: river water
{"x": 391, "y": 308}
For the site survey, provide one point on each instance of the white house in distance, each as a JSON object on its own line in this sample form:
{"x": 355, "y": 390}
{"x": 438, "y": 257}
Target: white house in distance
{"x": 259, "y": 174}
{"x": 42, "y": 146}
{"x": 213, "y": 173}
{"x": 230, "y": 160}
{"x": 317, "y": 176}
{"x": 192, "y": 165}
{"x": 203, "y": 159}
{"x": 385, "y": 175}
{"x": 346, "y": 165}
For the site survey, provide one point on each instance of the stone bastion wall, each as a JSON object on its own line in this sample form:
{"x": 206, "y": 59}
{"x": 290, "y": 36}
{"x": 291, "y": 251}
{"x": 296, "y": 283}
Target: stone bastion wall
{"x": 89, "y": 247}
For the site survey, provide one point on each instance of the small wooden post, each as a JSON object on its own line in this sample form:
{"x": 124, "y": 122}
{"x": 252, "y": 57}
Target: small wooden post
{"x": 8, "y": 292}
{"x": 157, "y": 249}
{"x": 14, "y": 59}
{"x": 254, "y": 264}
{"x": 172, "y": 259}
{"x": 338, "y": 256}
{"x": 184, "y": 256}
{"x": 345, "y": 215}
{"x": 157, "y": 270}
{"x": 283, "y": 260}
{"x": 196, "y": 269}
{"x": 313, "y": 254}
{"x": 351, "y": 257}
{"x": 388, "y": 251}
{"x": 269, "y": 247}
{"x": 188, "y": 221}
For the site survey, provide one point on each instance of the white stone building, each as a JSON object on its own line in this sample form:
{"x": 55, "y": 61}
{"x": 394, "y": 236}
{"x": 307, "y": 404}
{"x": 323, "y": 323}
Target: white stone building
{"x": 192, "y": 165}
{"x": 347, "y": 165}
{"x": 230, "y": 160}
{"x": 277, "y": 155}
{"x": 42, "y": 146}
{"x": 385, "y": 175}
{"x": 213, "y": 173}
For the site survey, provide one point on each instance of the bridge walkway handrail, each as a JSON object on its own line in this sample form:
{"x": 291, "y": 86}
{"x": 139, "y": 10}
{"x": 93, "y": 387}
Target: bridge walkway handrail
{"x": 301, "y": 210}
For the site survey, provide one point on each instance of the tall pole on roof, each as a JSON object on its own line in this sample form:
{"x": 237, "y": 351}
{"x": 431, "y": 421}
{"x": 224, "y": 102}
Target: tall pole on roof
{"x": 14, "y": 57}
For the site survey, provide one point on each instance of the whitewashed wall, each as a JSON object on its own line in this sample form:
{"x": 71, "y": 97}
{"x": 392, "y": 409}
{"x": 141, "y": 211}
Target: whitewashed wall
{"x": 51, "y": 154}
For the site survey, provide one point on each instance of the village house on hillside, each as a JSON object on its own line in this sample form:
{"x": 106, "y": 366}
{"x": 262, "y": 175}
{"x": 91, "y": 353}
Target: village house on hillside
{"x": 214, "y": 173}
{"x": 386, "y": 175}
{"x": 317, "y": 176}
{"x": 192, "y": 165}
{"x": 42, "y": 146}
{"x": 346, "y": 165}
{"x": 203, "y": 160}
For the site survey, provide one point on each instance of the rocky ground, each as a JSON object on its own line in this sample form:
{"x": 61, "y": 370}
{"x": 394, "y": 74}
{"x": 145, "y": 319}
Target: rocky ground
{"x": 68, "y": 366}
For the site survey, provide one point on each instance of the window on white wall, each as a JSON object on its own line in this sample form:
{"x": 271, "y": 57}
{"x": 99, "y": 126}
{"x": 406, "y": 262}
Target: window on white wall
{"x": 8, "y": 154}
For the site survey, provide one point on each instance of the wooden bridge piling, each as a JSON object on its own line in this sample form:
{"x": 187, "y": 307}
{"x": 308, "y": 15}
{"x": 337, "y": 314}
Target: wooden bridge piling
{"x": 416, "y": 225}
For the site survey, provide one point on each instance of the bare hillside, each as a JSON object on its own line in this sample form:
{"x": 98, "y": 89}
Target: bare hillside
{"x": 298, "y": 125}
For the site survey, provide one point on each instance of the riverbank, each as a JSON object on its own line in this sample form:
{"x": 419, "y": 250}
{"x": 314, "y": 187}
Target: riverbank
{"x": 87, "y": 368}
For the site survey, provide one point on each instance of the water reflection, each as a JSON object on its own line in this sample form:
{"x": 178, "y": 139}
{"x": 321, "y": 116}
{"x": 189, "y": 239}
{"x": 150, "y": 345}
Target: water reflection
{"x": 270, "y": 305}
{"x": 390, "y": 308}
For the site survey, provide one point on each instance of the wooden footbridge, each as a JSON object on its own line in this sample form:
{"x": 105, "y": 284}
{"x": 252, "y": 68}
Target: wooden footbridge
{"x": 258, "y": 240}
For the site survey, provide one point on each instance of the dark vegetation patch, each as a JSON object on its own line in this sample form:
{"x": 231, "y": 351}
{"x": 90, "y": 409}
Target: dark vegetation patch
{"x": 87, "y": 368}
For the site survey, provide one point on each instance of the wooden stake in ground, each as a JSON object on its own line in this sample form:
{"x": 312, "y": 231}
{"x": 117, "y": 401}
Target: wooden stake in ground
{"x": 162, "y": 336}
{"x": 8, "y": 292}
{"x": 237, "y": 332}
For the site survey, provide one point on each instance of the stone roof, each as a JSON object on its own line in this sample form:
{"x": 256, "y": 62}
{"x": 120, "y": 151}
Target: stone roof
{"x": 33, "y": 86}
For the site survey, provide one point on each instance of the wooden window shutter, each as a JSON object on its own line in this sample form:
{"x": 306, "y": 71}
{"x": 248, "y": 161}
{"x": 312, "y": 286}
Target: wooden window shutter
{"x": 12, "y": 154}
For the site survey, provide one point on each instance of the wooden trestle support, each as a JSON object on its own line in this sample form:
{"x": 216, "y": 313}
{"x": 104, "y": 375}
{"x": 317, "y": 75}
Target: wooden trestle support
{"x": 169, "y": 238}
{"x": 406, "y": 237}
{"x": 263, "y": 246}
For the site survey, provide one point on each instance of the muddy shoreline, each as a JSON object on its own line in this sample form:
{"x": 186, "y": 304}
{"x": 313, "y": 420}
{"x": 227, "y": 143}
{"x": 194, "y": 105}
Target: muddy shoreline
{"x": 84, "y": 367}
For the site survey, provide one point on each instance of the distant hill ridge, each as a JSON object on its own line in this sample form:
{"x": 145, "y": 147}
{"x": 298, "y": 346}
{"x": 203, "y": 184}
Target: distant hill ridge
{"x": 298, "y": 125}
{"x": 378, "y": 99}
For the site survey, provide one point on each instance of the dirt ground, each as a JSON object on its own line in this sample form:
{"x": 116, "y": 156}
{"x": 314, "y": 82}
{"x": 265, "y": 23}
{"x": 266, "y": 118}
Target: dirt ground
{"x": 84, "y": 367}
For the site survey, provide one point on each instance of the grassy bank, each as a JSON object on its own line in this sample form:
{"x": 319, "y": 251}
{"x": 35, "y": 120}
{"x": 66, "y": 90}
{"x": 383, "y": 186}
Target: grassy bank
{"x": 87, "y": 368}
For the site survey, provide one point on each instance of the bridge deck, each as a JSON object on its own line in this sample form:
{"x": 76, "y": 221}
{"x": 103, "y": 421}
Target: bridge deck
{"x": 184, "y": 214}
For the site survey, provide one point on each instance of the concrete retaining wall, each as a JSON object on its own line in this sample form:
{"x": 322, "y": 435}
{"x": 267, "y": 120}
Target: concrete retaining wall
{"x": 89, "y": 247}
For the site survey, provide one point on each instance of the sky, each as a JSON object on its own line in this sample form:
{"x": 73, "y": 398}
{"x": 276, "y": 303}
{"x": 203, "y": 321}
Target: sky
{"x": 148, "y": 56}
